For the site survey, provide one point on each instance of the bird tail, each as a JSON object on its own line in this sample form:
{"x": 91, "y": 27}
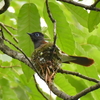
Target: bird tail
{"x": 84, "y": 61}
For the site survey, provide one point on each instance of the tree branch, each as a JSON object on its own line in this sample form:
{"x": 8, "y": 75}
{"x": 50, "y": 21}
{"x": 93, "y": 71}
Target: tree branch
{"x": 5, "y": 7}
{"x": 3, "y": 26}
{"x": 14, "y": 54}
{"x": 78, "y": 74}
{"x": 95, "y": 3}
{"x": 87, "y": 90}
{"x": 19, "y": 56}
{"x": 91, "y": 7}
{"x": 28, "y": 59}
{"x": 58, "y": 92}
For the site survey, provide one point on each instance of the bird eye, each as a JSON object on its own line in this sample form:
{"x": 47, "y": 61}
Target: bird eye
{"x": 37, "y": 34}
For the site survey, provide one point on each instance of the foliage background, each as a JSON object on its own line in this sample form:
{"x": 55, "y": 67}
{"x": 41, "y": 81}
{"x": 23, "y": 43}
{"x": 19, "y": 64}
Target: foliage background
{"x": 78, "y": 34}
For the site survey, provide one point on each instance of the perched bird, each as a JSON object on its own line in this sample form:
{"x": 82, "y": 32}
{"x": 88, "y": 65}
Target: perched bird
{"x": 38, "y": 40}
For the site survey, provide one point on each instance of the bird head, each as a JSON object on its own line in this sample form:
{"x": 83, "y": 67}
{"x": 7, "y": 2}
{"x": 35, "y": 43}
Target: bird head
{"x": 37, "y": 38}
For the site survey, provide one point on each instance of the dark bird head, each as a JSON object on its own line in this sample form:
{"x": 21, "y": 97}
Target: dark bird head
{"x": 37, "y": 38}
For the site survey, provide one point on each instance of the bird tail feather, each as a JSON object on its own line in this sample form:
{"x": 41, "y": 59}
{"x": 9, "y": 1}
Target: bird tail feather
{"x": 84, "y": 61}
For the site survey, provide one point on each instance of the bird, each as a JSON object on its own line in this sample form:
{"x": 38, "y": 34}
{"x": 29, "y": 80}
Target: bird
{"x": 39, "y": 40}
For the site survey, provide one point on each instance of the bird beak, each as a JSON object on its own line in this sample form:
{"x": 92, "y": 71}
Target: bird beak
{"x": 29, "y": 33}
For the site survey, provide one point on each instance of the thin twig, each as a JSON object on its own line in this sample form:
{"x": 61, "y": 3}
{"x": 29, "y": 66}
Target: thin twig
{"x": 10, "y": 27}
{"x": 8, "y": 32}
{"x": 39, "y": 88}
{"x": 81, "y": 5}
{"x": 53, "y": 21}
{"x": 85, "y": 91}
{"x": 54, "y": 28}
{"x": 78, "y": 74}
{"x": 9, "y": 66}
{"x": 49, "y": 13}
{"x": 95, "y": 3}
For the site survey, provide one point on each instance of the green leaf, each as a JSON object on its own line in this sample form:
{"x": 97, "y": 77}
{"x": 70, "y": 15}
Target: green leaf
{"x": 30, "y": 88}
{"x": 28, "y": 21}
{"x": 93, "y": 19}
{"x": 27, "y": 71}
{"x": 64, "y": 85}
{"x": 7, "y": 92}
{"x": 65, "y": 39}
{"x": 21, "y": 93}
{"x": 57, "y": 98}
{"x": 73, "y": 80}
{"x": 79, "y": 85}
{"x": 94, "y": 40}
{"x": 79, "y": 50}
{"x": 90, "y": 72}
{"x": 79, "y": 13}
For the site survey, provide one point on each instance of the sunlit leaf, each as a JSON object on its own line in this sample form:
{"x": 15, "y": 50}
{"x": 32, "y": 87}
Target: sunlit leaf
{"x": 62, "y": 82}
{"x": 7, "y": 92}
{"x": 30, "y": 88}
{"x": 94, "y": 40}
{"x": 27, "y": 71}
{"x": 93, "y": 19}
{"x": 28, "y": 21}
{"x": 79, "y": 13}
